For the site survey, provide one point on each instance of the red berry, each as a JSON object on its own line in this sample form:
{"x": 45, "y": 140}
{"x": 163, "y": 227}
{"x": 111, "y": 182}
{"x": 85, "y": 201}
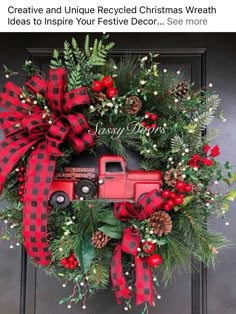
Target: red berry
{"x": 20, "y": 192}
{"x": 111, "y": 92}
{"x": 188, "y": 188}
{"x": 180, "y": 186}
{"x": 73, "y": 254}
{"x": 96, "y": 86}
{"x": 72, "y": 266}
{"x": 148, "y": 247}
{"x": 153, "y": 125}
{"x": 22, "y": 187}
{"x": 21, "y": 179}
{"x": 154, "y": 260}
{"x": 22, "y": 199}
{"x": 170, "y": 202}
{"x": 76, "y": 263}
{"x": 66, "y": 265}
{"x": 147, "y": 115}
{"x": 165, "y": 193}
{"x": 71, "y": 259}
{"x": 153, "y": 117}
{"x": 173, "y": 195}
{"x": 63, "y": 261}
{"x": 178, "y": 200}
{"x": 144, "y": 123}
{"x": 107, "y": 81}
{"x": 167, "y": 207}
{"x": 22, "y": 169}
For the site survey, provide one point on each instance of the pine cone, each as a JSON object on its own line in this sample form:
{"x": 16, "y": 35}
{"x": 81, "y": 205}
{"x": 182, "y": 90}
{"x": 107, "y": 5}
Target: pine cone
{"x": 181, "y": 89}
{"x": 172, "y": 176}
{"x": 161, "y": 223}
{"x": 133, "y": 105}
{"x": 99, "y": 239}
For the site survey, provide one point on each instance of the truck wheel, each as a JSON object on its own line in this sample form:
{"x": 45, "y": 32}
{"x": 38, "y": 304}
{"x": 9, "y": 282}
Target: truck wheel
{"x": 86, "y": 189}
{"x": 60, "y": 199}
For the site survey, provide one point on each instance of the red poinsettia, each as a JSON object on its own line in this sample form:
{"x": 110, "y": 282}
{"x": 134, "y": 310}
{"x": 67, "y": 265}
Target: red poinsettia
{"x": 207, "y": 162}
{"x": 215, "y": 151}
{"x": 206, "y": 148}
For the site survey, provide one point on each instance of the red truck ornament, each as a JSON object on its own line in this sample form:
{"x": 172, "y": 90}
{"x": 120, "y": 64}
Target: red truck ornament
{"x": 113, "y": 183}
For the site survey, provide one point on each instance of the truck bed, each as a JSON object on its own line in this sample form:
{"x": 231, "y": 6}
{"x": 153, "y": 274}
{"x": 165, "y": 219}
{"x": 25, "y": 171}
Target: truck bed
{"x": 75, "y": 173}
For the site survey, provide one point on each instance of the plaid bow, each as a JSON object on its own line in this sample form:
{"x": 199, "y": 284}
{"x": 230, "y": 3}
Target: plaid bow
{"x": 25, "y": 125}
{"x": 130, "y": 244}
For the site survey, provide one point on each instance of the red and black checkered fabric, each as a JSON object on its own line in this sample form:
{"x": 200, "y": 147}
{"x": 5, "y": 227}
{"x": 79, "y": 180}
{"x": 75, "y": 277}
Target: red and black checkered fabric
{"x": 124, "y": 211}
{"x": 144, "y": 282}
{"x": 25, "y": 125}
{"x": 10, "y": 99}
{"x": 40, "y": 171}
{"x": 12, "y": 149}
{"x": 117, "y": 276}
{"x": 130, "y": 241}
{"x": 149, "y": 204}
{"x": 129, "y": 245}
{"x": 142, "y": 210}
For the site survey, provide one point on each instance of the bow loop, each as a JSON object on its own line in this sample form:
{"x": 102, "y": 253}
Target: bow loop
{"x": 10, "y": 99}
{"x": 10, "y": 123}
{"x": 130, "y": 241}
{"x": 55, "y": 136}
{"x": 34, "y": 124}
{"x": 143, "y": 209}
{"x": 37, "y": 85}
{"x": 56, "y": 89}
{"x": 76, "y": 98}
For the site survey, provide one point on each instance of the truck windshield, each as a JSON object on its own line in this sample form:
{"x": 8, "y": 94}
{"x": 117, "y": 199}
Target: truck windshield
{"x": 113, "y": 167}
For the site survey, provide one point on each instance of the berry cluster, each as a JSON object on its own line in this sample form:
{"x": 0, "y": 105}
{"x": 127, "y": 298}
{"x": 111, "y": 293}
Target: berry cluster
{"x": 107, "y": 83}
{"x": 153, "y": 260}
{"x": 70, "y": 262}
{"x": 149, "y": 120}
{"x": 21, "y": 180}
{"x": 176, "y": 198}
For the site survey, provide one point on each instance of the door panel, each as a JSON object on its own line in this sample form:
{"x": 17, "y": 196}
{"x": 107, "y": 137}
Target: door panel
{"x": 192, "y": 63}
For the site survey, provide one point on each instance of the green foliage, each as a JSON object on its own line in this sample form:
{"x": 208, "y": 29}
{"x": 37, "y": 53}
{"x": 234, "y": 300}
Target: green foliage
{"x": 85, "y": 253}
{"x": 80, "y": 63}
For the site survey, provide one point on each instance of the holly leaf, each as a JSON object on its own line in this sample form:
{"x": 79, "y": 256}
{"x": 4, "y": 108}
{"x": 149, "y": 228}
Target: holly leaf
{"x": 109, "y": 219}
{"x": 231, "y": 180}
{"x": 114, "y": 232}
{"x": 230, "y": 196}
{"x": 85, "y": 253}
{"x": 162, "y": 241}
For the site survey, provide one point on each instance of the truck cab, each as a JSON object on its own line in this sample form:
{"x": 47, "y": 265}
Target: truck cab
{"x": 117, "y": 183}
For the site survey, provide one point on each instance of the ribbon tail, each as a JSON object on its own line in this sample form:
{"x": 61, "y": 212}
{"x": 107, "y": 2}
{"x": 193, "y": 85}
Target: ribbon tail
{"x": 12, "y": 149}
{"x": 144, "y": 288}
{"x": 39, "y": 175}
{"x": 117, "y": 276}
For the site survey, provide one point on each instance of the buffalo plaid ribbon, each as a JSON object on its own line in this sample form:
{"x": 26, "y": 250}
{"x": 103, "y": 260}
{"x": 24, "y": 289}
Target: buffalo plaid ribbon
{"x": 129, "y": 244}
{"x": 25, "y": 127}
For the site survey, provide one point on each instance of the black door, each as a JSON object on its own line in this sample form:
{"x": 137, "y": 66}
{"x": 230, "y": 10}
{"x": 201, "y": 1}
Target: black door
{"x": 204, "y": 58}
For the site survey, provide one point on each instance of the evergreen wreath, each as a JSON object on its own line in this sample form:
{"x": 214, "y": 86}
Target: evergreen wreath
{"x": 91, "y": 102}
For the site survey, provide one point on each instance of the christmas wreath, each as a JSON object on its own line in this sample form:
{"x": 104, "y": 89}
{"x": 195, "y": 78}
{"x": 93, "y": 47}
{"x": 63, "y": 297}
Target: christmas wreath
{"x": 112, "y": 224}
